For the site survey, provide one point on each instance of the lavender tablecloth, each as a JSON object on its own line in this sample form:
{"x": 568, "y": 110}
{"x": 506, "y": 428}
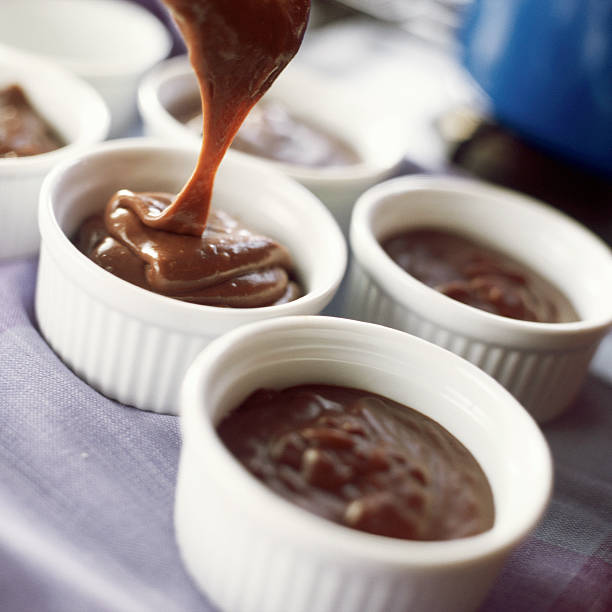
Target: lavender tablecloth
{"x": 86, "y": 493}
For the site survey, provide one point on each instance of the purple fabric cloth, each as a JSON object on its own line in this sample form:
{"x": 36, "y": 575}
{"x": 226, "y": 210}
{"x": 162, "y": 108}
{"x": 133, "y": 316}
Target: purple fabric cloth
{"x": 87, "y": 485}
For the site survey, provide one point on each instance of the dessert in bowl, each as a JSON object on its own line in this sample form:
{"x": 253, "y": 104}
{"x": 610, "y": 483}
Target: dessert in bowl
{"x": 109, "y": 44}
{"x": 157, "y": 245}
{"x": 133, "y": 344}
{"x": 370, "y": 145}
{"x": 64, "y": 116}
{"x": 542, "y": 361}
{"x": 251, "y": 550}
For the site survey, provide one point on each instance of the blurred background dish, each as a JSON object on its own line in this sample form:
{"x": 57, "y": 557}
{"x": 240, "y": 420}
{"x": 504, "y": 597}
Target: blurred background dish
{"x": 547, "y": 69}
{"x": 407, "y": 79}
{"x": 109, "y": 44}
{"x": 373, "y": 137}
{"x": 73, "y": 110}
{"x": 430, "y": 49}
{"x": 545, "y": 66}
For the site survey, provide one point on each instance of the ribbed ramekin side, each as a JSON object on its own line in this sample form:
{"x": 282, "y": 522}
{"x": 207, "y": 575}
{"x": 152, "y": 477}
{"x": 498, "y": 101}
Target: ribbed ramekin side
{"x": 544, "y": 382}
{"x": 132, "y": 361}
{"x": 247, "y": 565}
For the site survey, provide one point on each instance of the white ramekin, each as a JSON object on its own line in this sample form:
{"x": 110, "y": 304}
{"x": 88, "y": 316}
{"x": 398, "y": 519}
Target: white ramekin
{"x": 252, "y": 551}
{"x": 109, "y": 43}
{"x": 75, "y": 110}
{"x": 134, "y": 345}
{"x": 541, "y": 364}
{"x": 378, "y": 142}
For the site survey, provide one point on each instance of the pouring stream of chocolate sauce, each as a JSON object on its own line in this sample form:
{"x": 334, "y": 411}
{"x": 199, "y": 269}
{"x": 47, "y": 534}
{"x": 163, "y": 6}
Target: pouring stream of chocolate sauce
{"x": 237, "y": 50}
{"x": 163, "y": 243}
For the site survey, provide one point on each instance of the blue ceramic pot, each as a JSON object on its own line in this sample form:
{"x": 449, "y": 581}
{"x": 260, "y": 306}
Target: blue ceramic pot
{"x": 547, "y": 68}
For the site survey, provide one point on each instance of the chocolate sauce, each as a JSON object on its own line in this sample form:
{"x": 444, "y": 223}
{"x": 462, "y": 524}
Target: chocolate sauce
{"x": 361, "y": 460}
{"x": 272, "y": 132}
{"x": 237, "y": 49}
{"x": 228, "y": 266}
{"x": 478, "y": 276}
{"x": 161, "y": 242}
{"x": 23, "y": 132}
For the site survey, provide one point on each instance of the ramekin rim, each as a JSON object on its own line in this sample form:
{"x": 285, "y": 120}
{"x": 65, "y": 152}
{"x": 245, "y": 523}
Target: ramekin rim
{"x": 50, "y": 228}
{"x": 394, "y": 276}
{"x": 360, "y": 544}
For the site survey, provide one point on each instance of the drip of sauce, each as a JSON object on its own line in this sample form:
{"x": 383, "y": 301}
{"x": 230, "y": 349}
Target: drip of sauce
{"x": 161, "y": 242}
{"x": 23, "y": 132}
{"x": 361, "y": 460}
{"x": 478, "y": 276}
{"x": 237, "y": 50}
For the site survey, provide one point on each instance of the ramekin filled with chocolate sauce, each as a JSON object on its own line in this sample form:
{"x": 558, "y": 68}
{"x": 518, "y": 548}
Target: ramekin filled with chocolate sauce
{"x": 128, "y": 306}
{"x": 512, "y": 285}
{"x": 303, "y": 127}
{"x": 330, "y": 464}
{"x": 46, "y": 115}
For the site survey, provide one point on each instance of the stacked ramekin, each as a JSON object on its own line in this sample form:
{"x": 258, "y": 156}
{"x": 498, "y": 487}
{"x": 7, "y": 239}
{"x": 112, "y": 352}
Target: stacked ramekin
{"x": 541, "y": 364}
{"x": 134, "y": 345}
{"x": 252, "y": 551}
{"x": 74, "y": 110}
{"x": 107, "y": 43}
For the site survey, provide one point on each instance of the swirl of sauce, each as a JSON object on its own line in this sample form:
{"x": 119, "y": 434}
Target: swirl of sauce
{"x": 163, "y": 243}
{"x": 228, "y": 266}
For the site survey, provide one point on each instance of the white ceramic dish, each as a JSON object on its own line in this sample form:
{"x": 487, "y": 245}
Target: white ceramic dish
{"x": 252, "y": 551}
{"x": 379, "y": 144}
{"x": 109, "y": 43}
{"x": 542, "y": 364}
{"x": 74, "y": 110}
{"x": 134, "y": 345}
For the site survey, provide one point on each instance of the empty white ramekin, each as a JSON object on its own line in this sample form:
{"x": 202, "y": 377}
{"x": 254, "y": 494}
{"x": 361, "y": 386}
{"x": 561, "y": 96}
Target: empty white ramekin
{"x": 375, "y": 138}
{"x": 80, "y": 117}
{"x": 252, "y": 551}
{"x": 109, "y": 43}
{"x": 541, "y": 364}
{"x": 134, "y": 345}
